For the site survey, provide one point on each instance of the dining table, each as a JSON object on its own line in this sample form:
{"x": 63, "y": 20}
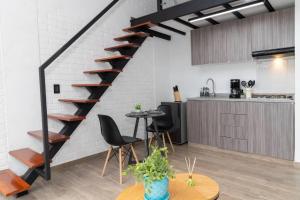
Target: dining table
{"x": 150, "y": 114}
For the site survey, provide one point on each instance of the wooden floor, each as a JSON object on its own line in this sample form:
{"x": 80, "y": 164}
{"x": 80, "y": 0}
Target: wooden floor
{"x": 241, "y": 177}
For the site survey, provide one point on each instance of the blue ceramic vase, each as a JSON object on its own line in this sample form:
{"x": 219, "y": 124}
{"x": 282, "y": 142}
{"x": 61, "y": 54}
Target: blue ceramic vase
{"x": 158, "y": 190}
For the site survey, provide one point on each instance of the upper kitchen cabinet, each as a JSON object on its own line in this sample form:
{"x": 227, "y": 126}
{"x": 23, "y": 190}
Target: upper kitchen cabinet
{"x": 223, "y": 43}
{"x": 208, "y": 45}
{"x": 234, "y": 41}
{"x": 273, "y": 30}
{"x": 238, "y": 39}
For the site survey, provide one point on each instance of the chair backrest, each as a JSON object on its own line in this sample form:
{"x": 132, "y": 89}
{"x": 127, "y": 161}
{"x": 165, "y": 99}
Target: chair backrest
{"x": 110, "y": 131}
{"x": 165, "y": 121}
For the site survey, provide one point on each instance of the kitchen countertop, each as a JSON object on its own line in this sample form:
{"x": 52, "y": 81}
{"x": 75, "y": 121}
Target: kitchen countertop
{"x": 225, "y": 97}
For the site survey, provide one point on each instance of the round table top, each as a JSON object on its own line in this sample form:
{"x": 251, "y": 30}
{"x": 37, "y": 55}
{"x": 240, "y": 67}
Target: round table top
{"x": 145, "y": 114}
{"x": 205, "y": 189}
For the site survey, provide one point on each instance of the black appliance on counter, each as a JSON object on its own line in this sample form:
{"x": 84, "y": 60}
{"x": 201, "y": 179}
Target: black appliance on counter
{"x": 235, "y": 88}
{"x": 179, "y": 130}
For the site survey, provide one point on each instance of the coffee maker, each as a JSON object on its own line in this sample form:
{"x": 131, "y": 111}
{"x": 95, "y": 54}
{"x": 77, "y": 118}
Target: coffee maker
{"x": 235, "y": 88}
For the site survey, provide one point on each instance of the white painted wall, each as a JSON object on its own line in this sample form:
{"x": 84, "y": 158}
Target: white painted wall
{"x": 297, "y": 77}
{"x": 31, "y": 32}
{"x": 3, "y": 133}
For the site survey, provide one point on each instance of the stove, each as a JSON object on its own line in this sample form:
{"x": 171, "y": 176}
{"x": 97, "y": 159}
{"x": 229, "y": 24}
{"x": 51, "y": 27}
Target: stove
{"x": 273, "y": 96}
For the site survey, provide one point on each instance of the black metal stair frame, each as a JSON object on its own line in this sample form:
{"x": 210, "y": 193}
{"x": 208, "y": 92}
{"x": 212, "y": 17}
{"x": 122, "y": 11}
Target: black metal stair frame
{"x": 50, "y": 150}
{"x": 83, "y": 109}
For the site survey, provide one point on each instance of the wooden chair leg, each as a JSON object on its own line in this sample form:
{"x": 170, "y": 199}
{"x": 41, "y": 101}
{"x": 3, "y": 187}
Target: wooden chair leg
{"x": 106, "y": 160}
{"x": 134, "y": 154}
{"x": 121, "y": 164}
{"x": 168, "y": 134}
{"x": 150, "y": 141}
{"x": 164, "y": 140}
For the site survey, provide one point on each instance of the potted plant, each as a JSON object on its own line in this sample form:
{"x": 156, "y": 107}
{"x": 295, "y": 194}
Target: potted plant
{"x": 154, "y": 172}
{"x": 138, "y": 107}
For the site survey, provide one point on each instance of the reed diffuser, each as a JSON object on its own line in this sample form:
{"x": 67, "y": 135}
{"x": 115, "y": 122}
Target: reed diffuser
{"x": 190, "y": 182}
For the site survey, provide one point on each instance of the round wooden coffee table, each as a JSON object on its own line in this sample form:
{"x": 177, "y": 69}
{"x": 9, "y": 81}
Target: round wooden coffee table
{"x": 205, "y": 189}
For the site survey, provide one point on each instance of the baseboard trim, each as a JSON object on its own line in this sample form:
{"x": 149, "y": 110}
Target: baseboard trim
{"x": 248, "y": 155}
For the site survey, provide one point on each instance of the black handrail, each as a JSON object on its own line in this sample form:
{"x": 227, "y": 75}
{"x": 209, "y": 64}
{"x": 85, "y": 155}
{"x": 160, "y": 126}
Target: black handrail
{"x": 47, "y": 172}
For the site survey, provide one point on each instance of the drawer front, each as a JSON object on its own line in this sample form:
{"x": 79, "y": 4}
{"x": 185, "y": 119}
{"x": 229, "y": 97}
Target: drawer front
{"x": 241, "y": 120}
{"x": 226, "y": 143}
{"x": 227, "y": 119}
{"x": 241, "y": 133}
{"x": 227, "y": 131}
{"x": 240, "y": 145}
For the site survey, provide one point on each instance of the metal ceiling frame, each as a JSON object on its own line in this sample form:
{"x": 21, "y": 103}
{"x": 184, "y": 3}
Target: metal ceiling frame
{"x": 232, "y": 8}
{"x": 183, "y": 9}
{"x": 269, "y": 6}
{"x": 191, "y": 7}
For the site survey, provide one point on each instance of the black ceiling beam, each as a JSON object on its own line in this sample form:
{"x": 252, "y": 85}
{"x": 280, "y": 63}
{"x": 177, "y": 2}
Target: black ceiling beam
{"x": 236, "y": 13}
{"x": 171, "y": 29}
{"x": 180, "y": 10}
{"x": 210, "y": 20}
{"x": 269, "y": 6}
{"x": 181, "y": 21}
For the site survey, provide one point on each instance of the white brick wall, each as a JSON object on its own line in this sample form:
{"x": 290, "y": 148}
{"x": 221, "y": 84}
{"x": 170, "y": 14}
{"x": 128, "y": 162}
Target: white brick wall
{"x": 134, "y": 85}
{"x": 3, "y": 139}
{"x": 55, "y": 21}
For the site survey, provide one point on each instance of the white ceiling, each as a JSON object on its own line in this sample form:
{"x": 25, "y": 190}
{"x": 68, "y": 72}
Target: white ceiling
{"x": 277, "y": 4}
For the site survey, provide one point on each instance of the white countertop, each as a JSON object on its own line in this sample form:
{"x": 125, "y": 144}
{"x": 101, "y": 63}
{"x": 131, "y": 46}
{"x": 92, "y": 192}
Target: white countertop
{"x": 225, "y": 97}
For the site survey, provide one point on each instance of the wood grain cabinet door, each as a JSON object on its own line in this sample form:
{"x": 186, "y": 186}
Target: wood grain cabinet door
{"x": 193, "y": 121}
{"x": 239, "y": 41}
{"x": 209, "y": 45}
{"x": 278, "y": 126}
{"x": 200, "y": 46}
{"x": 273, "y": 30}
{"x": 202, "y": 122}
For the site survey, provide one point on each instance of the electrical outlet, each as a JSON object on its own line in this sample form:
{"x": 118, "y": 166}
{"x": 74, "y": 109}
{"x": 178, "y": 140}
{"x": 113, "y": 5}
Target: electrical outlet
{"x": 56, "y": 88}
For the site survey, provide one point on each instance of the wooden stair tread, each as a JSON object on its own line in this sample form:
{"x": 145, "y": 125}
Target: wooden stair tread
{"x": 11, "y": 184}
{"x": 99, "y": 71}
{"x": 29, "y": 157}
{"x": 52, "y": 137}
{"x": 79, "y": 100}
{"x": 65, "y": 117}
{"x": 111, "y": 58}
{"x": 92, "y": 85}
{"x": 142, "y": 25}
{"x": 122, "y": 46}
{"x": 131, "y": 35}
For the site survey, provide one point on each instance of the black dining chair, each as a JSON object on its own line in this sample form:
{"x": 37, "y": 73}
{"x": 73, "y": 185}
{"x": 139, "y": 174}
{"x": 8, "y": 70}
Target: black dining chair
{"x": 112, "y": 136}
{"x": 164, "y": 125}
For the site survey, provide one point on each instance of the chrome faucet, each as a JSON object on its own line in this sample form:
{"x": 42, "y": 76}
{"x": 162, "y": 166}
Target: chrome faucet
{"x": 213, "y": 86}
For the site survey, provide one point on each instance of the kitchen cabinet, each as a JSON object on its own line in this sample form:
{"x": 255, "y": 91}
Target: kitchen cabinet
{"x": 233, "y": 123}
{"x": 209, "y": 45}
{"x": 238, "y": 39}
{"x": 273, "y": 30}
{"x": 265, "y": 128}
{"x": 202, "y": 122}
{"x": 278, "y": 123}
{"x": 234, "y": 41}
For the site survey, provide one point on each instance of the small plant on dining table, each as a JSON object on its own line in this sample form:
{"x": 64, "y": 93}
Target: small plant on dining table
{"x": 138, "y": 107}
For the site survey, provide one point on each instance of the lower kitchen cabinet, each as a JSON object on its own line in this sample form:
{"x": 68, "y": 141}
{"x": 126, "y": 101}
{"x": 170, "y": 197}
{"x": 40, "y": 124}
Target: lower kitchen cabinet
{"x": 202, "y": 122}
{"x": 255, "y": 127}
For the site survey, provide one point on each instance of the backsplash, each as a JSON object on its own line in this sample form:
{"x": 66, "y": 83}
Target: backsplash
{"x": 276, "y": 76}
{"x": 272, "y": 75}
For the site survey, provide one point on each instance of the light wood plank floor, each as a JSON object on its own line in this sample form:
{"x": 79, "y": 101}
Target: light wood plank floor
{"x": 241, "y": 177}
